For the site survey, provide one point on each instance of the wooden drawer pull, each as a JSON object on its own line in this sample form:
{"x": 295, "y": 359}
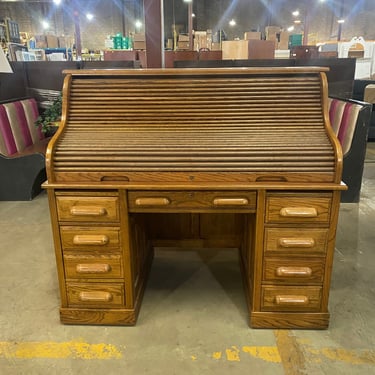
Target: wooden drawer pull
{"x": 299, "y": 212}
{"x": 95, "y": 296}
{"x": 294, "y": 271}
{"x": 88, "y": 211}
{"x": 291, "y": 300}
{"x": 152, "y": 201}
{"x": 95, "y": 240}
{"x": 93, "y": 268}
{"x": 230, "y": 201}
{"x": 296, "y": 242}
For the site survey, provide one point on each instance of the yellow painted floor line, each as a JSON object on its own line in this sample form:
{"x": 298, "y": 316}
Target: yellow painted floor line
{"x": 352, "y": 357}
{"x": 267, "y": 353}
{"x": 291, "y": 355}
{"x": 58, "y": 350}
{"x": 296, "y": 354}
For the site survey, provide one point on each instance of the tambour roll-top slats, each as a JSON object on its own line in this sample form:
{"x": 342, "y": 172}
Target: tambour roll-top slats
{"x": 234, "y": 121}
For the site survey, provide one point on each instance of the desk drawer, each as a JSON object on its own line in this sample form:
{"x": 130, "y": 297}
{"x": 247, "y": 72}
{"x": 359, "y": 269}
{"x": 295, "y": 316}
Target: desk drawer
{"x": 190, "y": 201}
{"x": 92, "y": 209}
{"x": 95, "y": 295}
{"x": 293, "y": 271}
{"x": 298, "y": 208}
{"x": 291, "y": 299}
{"x": 88, "y": 267}
{"x": 90, "y": 238}
{"x": 304, "y": 241}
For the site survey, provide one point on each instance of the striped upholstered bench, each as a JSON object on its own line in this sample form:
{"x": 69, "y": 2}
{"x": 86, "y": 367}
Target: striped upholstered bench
{"x": 22, "y": 151}
{"x": 350, "y": 120}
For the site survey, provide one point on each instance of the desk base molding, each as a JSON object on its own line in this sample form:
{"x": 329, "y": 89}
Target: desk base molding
{"x": 126, "y": 317}
{"x": 278, "y": 320}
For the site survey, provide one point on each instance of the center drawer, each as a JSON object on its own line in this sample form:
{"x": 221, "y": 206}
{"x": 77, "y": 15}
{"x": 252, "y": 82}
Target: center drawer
{"x": 191, "y": 201}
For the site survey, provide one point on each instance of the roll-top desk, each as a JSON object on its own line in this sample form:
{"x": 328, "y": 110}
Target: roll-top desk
{"x": 242, "y": 158}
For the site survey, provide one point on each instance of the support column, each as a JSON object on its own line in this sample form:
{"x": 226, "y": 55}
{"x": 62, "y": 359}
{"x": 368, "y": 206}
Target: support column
{"x": 153, "y": 10}
{"x": 77, "y": 31}
{"x": 190, "y": 25}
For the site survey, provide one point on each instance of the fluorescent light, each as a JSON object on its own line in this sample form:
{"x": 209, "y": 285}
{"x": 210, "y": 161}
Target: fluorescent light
{"x": 340, "y": 21}
{"x": 290, "y": 28}
{"x": 295, "y": 13}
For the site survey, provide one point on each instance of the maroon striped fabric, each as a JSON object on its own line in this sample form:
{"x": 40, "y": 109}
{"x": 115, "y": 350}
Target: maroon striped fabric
{"x": 22, "y": 123}
{"x": 344, "y": 122}
{"x": 6, "y": 133}
{"x": 333, "y": 109}
{"x": 17, "y": 126}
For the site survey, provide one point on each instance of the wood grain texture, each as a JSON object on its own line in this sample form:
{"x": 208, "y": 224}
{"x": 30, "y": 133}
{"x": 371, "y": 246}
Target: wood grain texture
{"x": 126, "y": 317}
{"x": 296, "y": 241}
{"x": 168, "y": 201}
{"x": 98, "y": 295}
{"x": 94, "y": 208}
{"x": 195, "y": 157}
{"x": 298, "y": 209}
{"x": 233, "y": 121}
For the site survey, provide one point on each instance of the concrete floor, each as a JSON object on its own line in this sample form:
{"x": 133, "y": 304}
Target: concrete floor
{"x": 193, "y": 316}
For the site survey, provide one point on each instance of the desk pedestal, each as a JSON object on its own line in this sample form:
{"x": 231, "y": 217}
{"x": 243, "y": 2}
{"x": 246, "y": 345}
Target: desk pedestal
{"x": 104, "y": 242}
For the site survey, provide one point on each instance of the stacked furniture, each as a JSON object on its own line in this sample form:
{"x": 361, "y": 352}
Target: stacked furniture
{"x": 350, "y": 120}
{"x": 363, "y": 90}
{"x": 369, "y": 97}
{"x": 236, "y": 158}
{"x": 22, "y": 151}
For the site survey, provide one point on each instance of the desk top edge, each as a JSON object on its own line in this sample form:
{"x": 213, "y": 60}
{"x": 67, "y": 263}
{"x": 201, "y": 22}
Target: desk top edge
{"x": 199, "y": 71}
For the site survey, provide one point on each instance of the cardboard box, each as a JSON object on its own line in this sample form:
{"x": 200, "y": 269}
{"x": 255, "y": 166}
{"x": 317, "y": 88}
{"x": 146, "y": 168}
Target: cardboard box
{"x": 248, "y": 49}
{"x": 252, "y": 35}
{"x": 169, "y": 44}
{"x": 271, "y": 32}
{"x": 139, "y": 37}
{"x": 183, "y": 45}
{"x": 202, "y": 39}
{"x": 283, "y": 40}
{"x": 139, "y": 45}
{"x": 183, "y": 38}
{"x": 63, "y": 42}
{"x": 52, "y": 41}
{"x": 235, "y": 49}
{"x": 40, "y": 41}
{"x": 369, "y": 94}
{"x": 215, "y": 46}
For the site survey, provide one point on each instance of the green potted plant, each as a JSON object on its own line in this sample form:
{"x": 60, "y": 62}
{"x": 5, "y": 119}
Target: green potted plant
{"x": 50, "y": 118}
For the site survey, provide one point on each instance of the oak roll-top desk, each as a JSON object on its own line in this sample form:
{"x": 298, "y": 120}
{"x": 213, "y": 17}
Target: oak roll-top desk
{"x": 241, "y": 157}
